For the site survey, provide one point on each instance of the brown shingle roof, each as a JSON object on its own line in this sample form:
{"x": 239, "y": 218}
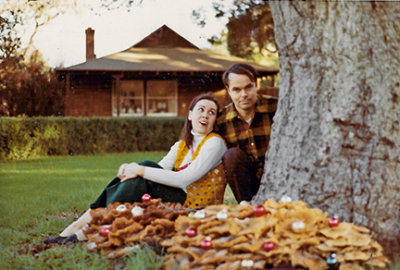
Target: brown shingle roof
{"x": 164, "y": 37}
{"x": 164, "y": 60}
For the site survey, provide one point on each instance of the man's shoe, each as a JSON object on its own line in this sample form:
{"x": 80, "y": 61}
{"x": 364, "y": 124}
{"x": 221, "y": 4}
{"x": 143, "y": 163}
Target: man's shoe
{"x": 70, "y": 239}
{"x": 55, "y": 240}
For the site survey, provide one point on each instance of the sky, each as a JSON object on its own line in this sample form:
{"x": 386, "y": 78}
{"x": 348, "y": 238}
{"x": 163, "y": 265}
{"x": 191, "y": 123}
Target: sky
{"x": 62, "y": 42}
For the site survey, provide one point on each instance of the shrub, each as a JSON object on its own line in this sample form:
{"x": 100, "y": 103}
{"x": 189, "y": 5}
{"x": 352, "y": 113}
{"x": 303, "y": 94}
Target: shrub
{"x": 27, "y": 137}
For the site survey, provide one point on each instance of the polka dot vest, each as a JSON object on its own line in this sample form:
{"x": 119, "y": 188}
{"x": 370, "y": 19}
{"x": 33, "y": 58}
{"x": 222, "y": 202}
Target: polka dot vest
{"x": 211, "y": 187}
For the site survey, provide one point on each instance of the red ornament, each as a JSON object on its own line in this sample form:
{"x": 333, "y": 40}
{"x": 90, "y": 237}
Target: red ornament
{"x": 268, "y": 246}
{"x": 333, "y": 222}
{"x": 206, "y": 244}
{"x": 259, "y": 210}
{"x": 105, "y": 230}
{"x": 146, "y": 198}
{"x": 191, "y": 232}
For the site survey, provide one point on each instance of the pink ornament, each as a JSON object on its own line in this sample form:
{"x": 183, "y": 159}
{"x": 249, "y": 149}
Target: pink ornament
{"x": 146, "y": 198}
{"x": 105, "y": 230}
{"x": 206, "y": 244}
{"x": 268, "y": 246}
{"x": 333, "y": 222}
{"x": 191, "y": 232}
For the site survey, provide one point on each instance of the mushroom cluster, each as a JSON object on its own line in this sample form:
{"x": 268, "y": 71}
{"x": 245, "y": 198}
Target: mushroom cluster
{"x": 272, "y": 234}
{"x": 120, "y": 228}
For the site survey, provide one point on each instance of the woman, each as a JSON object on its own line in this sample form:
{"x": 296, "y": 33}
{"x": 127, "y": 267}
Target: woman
{"x": 191, "y": 173}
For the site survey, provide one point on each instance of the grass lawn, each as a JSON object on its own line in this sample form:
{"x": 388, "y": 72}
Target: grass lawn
{"x": 40, "y": 197}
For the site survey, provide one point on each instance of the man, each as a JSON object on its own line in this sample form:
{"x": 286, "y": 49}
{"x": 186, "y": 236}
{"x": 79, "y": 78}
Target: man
{"x": 246, "y": 126}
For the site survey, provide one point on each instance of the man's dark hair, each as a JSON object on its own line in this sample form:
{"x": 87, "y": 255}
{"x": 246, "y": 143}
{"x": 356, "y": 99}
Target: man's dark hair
{"x": 243, "y": 69}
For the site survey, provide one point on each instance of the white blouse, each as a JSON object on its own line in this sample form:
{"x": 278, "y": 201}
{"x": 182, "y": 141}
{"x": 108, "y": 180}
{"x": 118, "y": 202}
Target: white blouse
{"x": 209, "y": 156}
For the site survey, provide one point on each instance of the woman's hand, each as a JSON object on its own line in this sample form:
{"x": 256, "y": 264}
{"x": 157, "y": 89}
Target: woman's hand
{"x": 131, "y": 170}
{"x": 121, "y": 171}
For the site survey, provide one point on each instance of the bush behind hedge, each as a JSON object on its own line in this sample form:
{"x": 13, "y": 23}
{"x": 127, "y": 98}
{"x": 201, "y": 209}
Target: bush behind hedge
{"x": 28, "y": 137}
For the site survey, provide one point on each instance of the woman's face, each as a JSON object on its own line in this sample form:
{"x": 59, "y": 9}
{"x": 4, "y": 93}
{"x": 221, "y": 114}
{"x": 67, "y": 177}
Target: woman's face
{"x": 203, "y": 116}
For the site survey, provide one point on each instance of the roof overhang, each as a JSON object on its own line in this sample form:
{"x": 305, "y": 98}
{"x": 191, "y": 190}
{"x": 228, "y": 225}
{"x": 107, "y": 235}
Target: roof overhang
{"x": 164, "y": 60}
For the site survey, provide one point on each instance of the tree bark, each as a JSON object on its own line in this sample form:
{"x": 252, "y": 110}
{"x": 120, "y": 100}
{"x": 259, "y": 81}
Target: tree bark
{"x": 335, "y": 141}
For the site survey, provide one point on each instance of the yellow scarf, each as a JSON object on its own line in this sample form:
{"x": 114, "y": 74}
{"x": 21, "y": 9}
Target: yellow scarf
{"x": 211, "y": 187}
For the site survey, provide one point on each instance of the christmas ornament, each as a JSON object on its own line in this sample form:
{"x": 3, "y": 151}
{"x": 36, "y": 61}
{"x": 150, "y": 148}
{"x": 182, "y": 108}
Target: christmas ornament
{"x": 206, "y": 243}
{"x": 247, "y": 263}
{"x": 223, "y": 214}
{"x": 333, "y": 221}
{"x": 200, "y": 214}
{"x": 105, "y": 230}
{"x": 285, "y": 199}
{"x": 191, "y": 232}
{"x": 268, "y": 246}
{"x": 146, "y": 198}
{"x": 298, "y": 226}
{"x": 332, "y": 261}
{"x": 258, "y": 210}
{"x": 121, "y": 208}
{"x": 137, "y": 211}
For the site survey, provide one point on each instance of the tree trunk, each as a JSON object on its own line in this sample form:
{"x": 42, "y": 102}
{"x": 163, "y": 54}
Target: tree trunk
{"x": 335, "y": 141}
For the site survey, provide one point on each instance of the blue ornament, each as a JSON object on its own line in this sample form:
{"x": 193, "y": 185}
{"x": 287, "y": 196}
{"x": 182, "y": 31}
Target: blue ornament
{"x": 332, "y": 261}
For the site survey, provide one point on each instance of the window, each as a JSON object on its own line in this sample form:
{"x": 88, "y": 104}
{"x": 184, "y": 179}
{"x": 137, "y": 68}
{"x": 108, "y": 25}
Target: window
{"x": 131, "y": 98}
{"x": 162, "y": 98}
{"x": 159, "y": 99}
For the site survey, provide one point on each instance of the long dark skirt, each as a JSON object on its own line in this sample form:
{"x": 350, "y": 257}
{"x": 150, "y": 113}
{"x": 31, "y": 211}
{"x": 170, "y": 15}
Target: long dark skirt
{"x": 132, "y": 190}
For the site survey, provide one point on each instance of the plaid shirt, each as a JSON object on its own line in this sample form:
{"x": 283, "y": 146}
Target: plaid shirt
{"x": 253, "y": 138}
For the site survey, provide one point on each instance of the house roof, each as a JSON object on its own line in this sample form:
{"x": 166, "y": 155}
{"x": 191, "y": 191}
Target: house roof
{"x": 164, "y": 51}
{"x": 164, "y": 37}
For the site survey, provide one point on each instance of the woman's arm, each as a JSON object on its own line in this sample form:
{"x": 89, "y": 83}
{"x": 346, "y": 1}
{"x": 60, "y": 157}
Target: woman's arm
{"x": 209, "y": 156}
{"x": 168, "y": 161}
{"x": 127, "y": 171}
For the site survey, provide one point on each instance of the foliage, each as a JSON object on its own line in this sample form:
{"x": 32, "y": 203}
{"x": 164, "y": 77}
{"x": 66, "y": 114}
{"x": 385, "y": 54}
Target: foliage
{"x": 27, "y": 86}
{"x": 250, "y": 28}
{"x": 10, "y": 41}
{"x": 25, "y": 137}
{"x": 144, "y": 259}
{"x": 34, "y": 14}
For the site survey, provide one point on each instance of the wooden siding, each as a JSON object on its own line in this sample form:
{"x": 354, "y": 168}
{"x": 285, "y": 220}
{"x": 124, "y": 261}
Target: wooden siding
{"x": 89, "y": 98}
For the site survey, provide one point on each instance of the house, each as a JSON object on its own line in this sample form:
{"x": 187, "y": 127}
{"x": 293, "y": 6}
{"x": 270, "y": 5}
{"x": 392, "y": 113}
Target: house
{"x": 157, "y": 76}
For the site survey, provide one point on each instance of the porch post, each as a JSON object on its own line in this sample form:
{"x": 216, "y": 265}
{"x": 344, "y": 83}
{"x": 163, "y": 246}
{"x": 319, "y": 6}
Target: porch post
{"x": 67, "y": 102}
{"x": 144, "y": 97}
{"x": 117, "y": 78}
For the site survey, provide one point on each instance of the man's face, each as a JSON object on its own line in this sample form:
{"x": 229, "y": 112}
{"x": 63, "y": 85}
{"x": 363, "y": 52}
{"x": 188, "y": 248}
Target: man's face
{"x": 242, "y": 91}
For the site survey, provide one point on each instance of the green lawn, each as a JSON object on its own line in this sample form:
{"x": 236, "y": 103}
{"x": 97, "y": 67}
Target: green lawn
{"x": 41, "y": 197}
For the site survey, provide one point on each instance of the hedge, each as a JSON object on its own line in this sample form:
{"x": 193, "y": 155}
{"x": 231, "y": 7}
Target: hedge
{"x": 27, "y": 137}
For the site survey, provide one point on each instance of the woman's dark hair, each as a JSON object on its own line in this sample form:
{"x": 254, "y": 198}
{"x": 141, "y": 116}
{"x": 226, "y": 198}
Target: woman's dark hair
{"x": 240, "y": 68}
{"x": 186, "y": 133}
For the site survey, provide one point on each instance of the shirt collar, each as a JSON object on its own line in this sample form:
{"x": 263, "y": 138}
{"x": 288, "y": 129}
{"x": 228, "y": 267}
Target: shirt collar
{"x": 197, "y": 137}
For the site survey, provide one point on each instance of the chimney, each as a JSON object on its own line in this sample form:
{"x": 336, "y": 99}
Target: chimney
{"x": 90, "y": 44}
